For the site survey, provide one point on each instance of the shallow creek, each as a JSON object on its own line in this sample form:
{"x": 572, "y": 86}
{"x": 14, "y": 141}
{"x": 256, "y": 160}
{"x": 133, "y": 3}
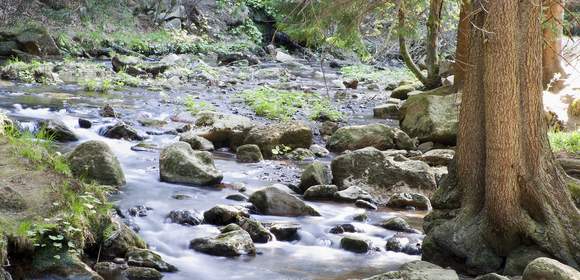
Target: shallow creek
{"x": 315, "y": 256}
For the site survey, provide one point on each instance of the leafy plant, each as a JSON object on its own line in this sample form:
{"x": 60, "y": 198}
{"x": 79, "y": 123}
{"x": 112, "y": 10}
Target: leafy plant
{"x": 195, "y": 107}
{"x": 565, "y": 141}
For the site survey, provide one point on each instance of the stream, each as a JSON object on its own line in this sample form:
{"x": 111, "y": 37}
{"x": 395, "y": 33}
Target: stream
{"x": 317, "y": 255}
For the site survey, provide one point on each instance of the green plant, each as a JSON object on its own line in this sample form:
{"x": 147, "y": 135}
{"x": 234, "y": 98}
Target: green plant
{"x": 282, "y": 105}
{"x": 280, "y": 150}
{"x": 195, "y": 107}
{"x": 565, "y": 141}
{"x": 363, "y": 72}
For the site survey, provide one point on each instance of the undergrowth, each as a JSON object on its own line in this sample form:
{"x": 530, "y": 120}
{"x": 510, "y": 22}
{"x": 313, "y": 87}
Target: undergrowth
{"x": 283, "y": 105}
{"x": 565, "y": 141}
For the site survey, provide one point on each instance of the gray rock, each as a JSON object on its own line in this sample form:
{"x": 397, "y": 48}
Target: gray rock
{"x": 545, "y": 268}
{"x": 319, "y": 151}
{"x": 285, "y": 232}
{"x": 320, "y": 192}
{"x": 107, "y": 112}
{"x": 519, "y": 258}
{"x": 437, "y": 157}
{"x": 147, "y": 258}
{"x": 365, "y": 205}
{"x": 396, "y": 243}
{"x": 404, "y": 200}
{"x": 94, "y": 161}
{"x": 273, "y": 201}
{"x": 84, "y": 123}
{"x": 289, "y": 134}
{"x": 376, "y": 173}
{"x": 378, "y": 136}
{"x": 301, "y": 154}
{"x": 249, "y": 153}
{"x": 257, "y": 231}
{"x": 122, "y": 130}
{"x": 58, "y": 130}
{"x": 431, "y": 118}
{"x": 491, "y": 276}
{"x": 141, "y": 273}
{"x": 184, "y": 217}
{"x": 339, "y": 229}
{"x": 196, "y": 142}
{"x": 403, "y": 91}
{"x": 386, "y": 111}
{"x": 224, "y": 215}
{"x": 397, "y": 224}
{"x": 352, "y": 194}
{"x": 107, "y": 270}
{"x": 316, "y": 173}
{"x": 37, "y": 41}
{"x": 223, "y": 130}
{"x": 354, "y": 244}
{"x": 229, "y": 244}
{"x": 179, "y": 163}
{"x": 237, "y": 197}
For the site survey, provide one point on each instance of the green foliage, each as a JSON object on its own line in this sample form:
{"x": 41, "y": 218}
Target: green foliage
{"x": 363, "y": 72}
{"x": 565, "y": 141}
{"x": 20, "y": 70}
{"x": 195, "y": 107}
{"x": 283, "y": 105}
{"x": 97, "y": 85}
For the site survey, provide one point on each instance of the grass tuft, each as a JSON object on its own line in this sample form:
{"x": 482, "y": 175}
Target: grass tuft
{"x": 565, "y": 141}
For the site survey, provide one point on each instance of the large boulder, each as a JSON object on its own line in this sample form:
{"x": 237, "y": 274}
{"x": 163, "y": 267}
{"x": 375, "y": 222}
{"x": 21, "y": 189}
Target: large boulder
{"x": 418, "y": 270}
{"x": 379, "y": 136}
{"x": 223, "y": 130}
{"x": 377, "y": 173}
{"x": 58, "y": 130}
{"x": 122, "y": 130}
{"x": 320, "y": 192}
{"x": 316, "y": 173}
{"x": 228, "y": 244}
{"x": 545, "y": 268}
{"x": 196, "y": 142}
{"x": 355, "y": 244}
{"x": 36, "y": 41}
{"x": 222, "y": 215}
{"x": 119, "y": 239}
{"x": 404, "y": 200}
{"x": 255, "y": 229}
{"x": 249, "y": 153}
{"x": 288, "y": 134}
{"x": 94, "y": 161}
{"x": 431, "y": 118}
{"x": 276, "y": 202}
{"x": 179, "y": 163}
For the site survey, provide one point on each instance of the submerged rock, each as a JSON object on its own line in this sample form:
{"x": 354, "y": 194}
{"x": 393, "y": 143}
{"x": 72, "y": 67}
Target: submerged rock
{"x": 431, "y": 118}
{"x": 94, "y": 161}
{"x": 184, "y": 217}
{"x": 316, "y": 173}
{"x": 58, "y": 130}
{"x": 224, "y": 215}
{"x": 354, "y": 244}
{"x": 84, "y": 123}
{"x": 249, "y": 153}
{"x": 397, "y": 224}
{"x": 365, "y": 205}
{"x": 227, "y": 244}
{"x": 288, "y": 134}
{"x": 122, "y": 130}
{"x": 276, "y": 202}
{"x": 108, "y": 112}
{"x": 285, "y": 232}
{"x": 379, "y": 136}
{"x": 179, "y": 163}
{"x": 147, "y": 258}
{"x": 338, "y": 229}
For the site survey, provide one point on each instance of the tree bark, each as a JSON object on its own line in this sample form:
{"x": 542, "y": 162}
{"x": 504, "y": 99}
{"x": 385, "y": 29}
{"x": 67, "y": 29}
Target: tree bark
{"x": 506, "y": 190}
{"x": 462, "y": 50}
{"x": 551, "y": 56}
{"x": 403, "y": 47}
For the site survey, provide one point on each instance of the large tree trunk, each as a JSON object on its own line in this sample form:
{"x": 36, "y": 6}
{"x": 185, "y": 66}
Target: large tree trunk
{"x": 462, "y": 50}
{"x": 506, "y": 191}
{"x": 553, "y": 30}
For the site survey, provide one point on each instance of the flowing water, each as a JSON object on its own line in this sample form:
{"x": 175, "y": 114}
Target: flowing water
{"x": 315, "y": 256}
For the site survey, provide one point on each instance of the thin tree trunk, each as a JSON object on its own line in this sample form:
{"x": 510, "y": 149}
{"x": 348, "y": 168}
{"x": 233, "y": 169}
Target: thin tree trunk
{"x": 509, "y": 189}
{"x": 433, "y": 27}
{"x": 462, "y": 51}
{"x": 403, "y": 47}
{"x": 553, "y": 30}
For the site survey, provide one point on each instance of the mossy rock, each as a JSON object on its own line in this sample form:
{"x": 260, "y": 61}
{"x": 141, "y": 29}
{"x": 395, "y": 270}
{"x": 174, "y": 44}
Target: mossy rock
{"x": 119, "y": 239}
{"x": 574, "y": 108}
{"x": 147, "y": 258}
{"x": 94, "y": 161}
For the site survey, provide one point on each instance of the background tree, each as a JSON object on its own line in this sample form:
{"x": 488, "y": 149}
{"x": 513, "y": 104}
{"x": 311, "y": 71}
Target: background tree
{"x": 462, "y": 50}
{"x": 552, "y": 52}
{"x": 506, "y": 191}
